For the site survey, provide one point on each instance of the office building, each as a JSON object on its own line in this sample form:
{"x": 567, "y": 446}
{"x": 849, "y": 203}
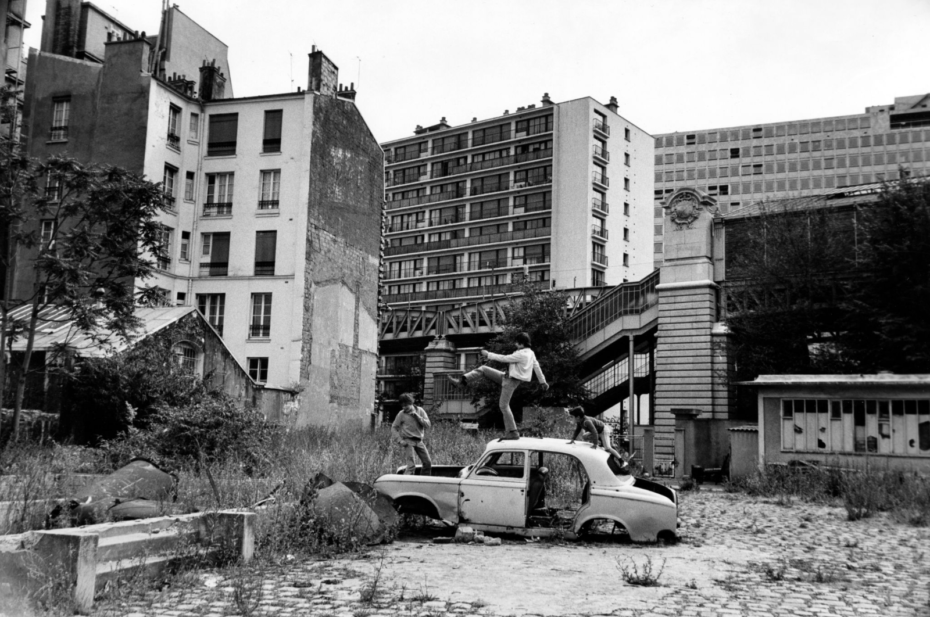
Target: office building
{"x": 741, "y": 165}
{"x": 557, "y": 193}
{"x": 276, "y": 200}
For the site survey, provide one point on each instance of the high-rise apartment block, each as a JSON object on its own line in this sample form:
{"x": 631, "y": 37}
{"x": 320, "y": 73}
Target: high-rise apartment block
{"x": 13, "y": 25}
{"x": 276, "y": 201}
{"x": 745, "y": 164}
{"x": 558, "y": 193}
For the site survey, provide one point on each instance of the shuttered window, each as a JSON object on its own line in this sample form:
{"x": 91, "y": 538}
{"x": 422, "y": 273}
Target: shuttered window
{"x": 221, "y": 140}
{"x": 272, "y": 138}
{"x": 265, "y": 246}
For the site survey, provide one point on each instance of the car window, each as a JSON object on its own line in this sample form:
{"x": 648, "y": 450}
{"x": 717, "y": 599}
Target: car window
{"x": 503, "y": 465}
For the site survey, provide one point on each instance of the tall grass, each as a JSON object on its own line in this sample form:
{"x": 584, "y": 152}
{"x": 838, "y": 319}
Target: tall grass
{"x": 863, "y": 492}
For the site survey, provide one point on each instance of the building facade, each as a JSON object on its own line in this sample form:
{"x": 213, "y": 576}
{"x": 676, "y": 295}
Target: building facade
{"x": 557, "y": 193}
{"x": 744, "y": 164}
{"x": 13, "y": 26}
{"x": 276, "y": 201}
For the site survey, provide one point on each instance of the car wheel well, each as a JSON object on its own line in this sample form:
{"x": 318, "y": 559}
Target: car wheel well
{"x": 667, "y": 536}
{"x": 413, "y": 504}
{"x": 603, "y": 527}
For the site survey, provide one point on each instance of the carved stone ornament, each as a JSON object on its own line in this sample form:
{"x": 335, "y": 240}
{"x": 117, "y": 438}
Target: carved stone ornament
{"x": 686, "y": 207}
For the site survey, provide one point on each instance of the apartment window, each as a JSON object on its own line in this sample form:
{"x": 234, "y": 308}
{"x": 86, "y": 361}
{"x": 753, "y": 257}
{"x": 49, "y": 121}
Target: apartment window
{"x": 187, "y": 357}
{"x": 450, "y": 143}
{"x": 453, "y": 234}
{"x": 626, "y": 234}
{"x": 626, "y": 209}
{"x": 258, "y": 369}
{"x": 534, "y": 126}
{"x": 271, "y": 142}
{"x": 214, "y": 254}
{"x": 626, "y": 259}
{"x": 597, "y": 278}
{"x": 405, "y": 269}
{"x": 174, "y": 117}
{"x": 626, "y": 134}
{"x": 734, "y": 153}
{"x": 221, "y": 139}
{"x": 265, "y": 245}
{"x": 185, "y": 246}
{"x": 443, "y": 285}
{"x": 170, "y": 180}
{"x": 488, "y": 209}
{"x": 406, "y": 288}
{"x": 46, "y": 234}
{"x": 447, "y": 216}
{"x": 444, "y": 264}
{"x": 530, "y": 255}
{"x": 163, "y": 254}
{"x": 61, "y": 117}
{"x": 626, "y": 184}
{"x": 193, "y": 131}
{"x": 53, "y": 188}
{"x": 409, "y": 174}
{"x": 270, "y": 190}
{"x": 219, "y": 194}
{"x": 490, "y": 184}
{"x": 412, "y": 151}
{"x": 487, "y": 230}
{"x": 260, "y": 322}
{"x": 182, "y": 298}
{"x": 626, "y": 159}
{"x": 189, "y": 186}
{"x": 491, "y": 135}
{"x": 532, "y": 177}
{"x": 486, "y": 260}
{"x": 534, "y": 202}
{"x": 489, "y": 280}
{"x": 213, "y": 308}
{"x": 403, "y": 222}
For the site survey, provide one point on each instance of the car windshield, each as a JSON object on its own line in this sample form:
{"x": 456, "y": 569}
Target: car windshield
{"x": 618, "y": 468}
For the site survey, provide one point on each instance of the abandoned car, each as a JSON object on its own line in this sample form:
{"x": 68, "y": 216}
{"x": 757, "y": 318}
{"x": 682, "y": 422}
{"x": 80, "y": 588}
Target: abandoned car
{"x": 539, "y": 487}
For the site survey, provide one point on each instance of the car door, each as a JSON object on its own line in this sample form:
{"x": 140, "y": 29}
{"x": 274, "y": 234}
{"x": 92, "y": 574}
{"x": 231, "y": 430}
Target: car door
{"x": 494, "y": 493}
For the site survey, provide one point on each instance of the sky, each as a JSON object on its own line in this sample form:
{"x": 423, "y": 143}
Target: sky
{"x": 674, "y": 65}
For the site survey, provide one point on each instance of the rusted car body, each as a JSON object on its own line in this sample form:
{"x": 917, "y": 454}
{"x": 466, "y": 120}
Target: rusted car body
{"x": 506, "y": 491}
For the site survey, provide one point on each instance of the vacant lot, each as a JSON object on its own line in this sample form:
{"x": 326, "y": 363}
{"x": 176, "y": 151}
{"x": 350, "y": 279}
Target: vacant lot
{"x": 739, "y": 556}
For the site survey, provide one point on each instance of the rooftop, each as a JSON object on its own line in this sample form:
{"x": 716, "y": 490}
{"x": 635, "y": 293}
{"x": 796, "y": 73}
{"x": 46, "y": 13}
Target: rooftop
{"x": 883, "y": 379}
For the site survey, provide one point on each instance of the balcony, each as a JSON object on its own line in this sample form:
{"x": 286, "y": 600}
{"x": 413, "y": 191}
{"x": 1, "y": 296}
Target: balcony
{"x": 599, "y": 232}
{"x": 600, "y": 259}
{"x": 507, "y": 236}
{"x": 58, "y": 133}
{"x": 444, "y": 268}
{"x": 404, "y": 156}
{"x": 170, "y": 201}
{"x": 425, "y": 199}
{"x": 264, "y": 268}
{"x": 174, "y": 141}
{"x": 464, "y": 143}
{"x": 406, "y": 179}
{"x": 600, "y": 178}
{"x": 600, "y": 205}
{"x": 503, "y": 161}
{"x": 446, "y": 220}
{"x": 601, "y": 153}
{"x": 490, "y": 187}
{"x": 260, "y": 330}
{"x": 602, "y": 127}
{"x": 406, "y": 226}
{"x": 217, "y": 209}
{"x": 268, "y": 204}
{"x": 394, "y": 274}
{"x": 214, "y": 268}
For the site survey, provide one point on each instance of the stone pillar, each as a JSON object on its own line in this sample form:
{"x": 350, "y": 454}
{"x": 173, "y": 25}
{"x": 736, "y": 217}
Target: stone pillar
{"x": 685, "y": 366}
{"x": 440, "y": 357}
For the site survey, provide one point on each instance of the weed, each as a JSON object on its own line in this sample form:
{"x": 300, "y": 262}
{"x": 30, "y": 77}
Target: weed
{"x": 424, "y": 594}
{"x": 692, "y": 584}
{"x": 775, "y": 573}
{"x": 248, "y": 589}
{"x": 370, "y": 591}
{"x": 644, "y": 576}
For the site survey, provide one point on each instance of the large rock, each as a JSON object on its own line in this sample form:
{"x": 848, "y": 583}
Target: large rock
{"x": 346, "y": 514}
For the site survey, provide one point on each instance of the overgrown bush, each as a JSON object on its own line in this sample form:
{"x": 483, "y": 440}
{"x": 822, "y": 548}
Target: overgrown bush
{"x": 215, "y": 428}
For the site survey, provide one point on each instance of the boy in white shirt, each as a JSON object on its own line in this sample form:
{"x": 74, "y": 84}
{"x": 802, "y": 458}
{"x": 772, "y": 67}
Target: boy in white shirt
{"x": 522, "y": 363}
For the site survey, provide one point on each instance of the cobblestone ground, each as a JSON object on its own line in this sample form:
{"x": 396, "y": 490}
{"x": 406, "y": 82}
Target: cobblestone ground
{"x": 739, "y": 556}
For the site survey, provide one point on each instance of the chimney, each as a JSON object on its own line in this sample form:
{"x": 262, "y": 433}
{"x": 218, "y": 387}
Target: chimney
{"x": 212, "y": 82}
{"x": 347, "y": 93}
{"x": 324, "y": 75}
{"x": 612, "y": 105}
{"x": 546, "y": 100}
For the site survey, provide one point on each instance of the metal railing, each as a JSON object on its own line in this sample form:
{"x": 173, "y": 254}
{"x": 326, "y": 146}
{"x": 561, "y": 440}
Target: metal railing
{"x": 264, "y": 268}
{"x": 600, "y": 178}
{"x": 599, "y": 258}
{"x": 217, "y": 209}
{"x": 465, "y": 143}
{"x": 439, "y": 245}
{"x": 406, "y": 226}
{"x": 268, "y": 204}
{"x": 512, "y": 159}
{"x": 616, "y": 373}
{"x": 460, "y": 292}
{"x": 600, "y": 204}
{"x": 58, "y": 133}
{"x": 174, "y": 141}
{"x": 632, "y": 298}
{"x": 601, "y": 126}
{"x": 259, "y": 330}
{"x": 214, "y": 269}
{"x": 425, "y": 199}
{"x": 599, "y": 232}
{"x": 601, "y": 152}
{"x": 391, "y": 181}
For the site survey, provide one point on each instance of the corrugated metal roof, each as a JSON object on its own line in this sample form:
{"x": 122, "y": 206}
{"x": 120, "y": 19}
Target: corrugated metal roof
{"x": 56, "y": 328}
{"x": 882, "y": 379}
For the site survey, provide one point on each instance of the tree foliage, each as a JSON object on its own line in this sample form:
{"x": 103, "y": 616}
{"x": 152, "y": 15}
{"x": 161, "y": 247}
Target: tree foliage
{"x": 889, "y": 309}
{"x": 541, "y": 314}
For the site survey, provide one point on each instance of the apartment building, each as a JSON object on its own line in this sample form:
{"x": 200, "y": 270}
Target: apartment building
{"x": 275, "y": 224}
{"x": 556, "y": 193}
{"x": 744, "y": 164}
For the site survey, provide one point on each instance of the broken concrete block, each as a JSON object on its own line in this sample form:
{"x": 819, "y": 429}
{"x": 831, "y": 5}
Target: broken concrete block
{"x": 489, "y": 541}
{"x": 464, "y": 534}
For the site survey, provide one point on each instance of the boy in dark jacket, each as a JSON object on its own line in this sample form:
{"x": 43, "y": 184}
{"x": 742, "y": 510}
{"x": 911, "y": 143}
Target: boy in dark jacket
{"x": 408, "y": 429}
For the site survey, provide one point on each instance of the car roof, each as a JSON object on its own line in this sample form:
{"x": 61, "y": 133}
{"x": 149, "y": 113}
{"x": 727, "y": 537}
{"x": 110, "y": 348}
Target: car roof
{"x": 594, "y": 460}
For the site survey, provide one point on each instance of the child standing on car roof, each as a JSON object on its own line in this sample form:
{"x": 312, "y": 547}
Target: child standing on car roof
{"x": 522, "y": 363}
{"x": 408, "y": 429}
{"x": 598, "y": 431}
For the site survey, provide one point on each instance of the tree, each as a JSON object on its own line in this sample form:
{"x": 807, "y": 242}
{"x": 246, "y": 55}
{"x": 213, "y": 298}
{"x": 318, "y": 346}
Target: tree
{"x": 86, "y": 235}
{"x": 787, "y": 269}
{"x": 541, "y": 314}
{"x": 889, "y": 309}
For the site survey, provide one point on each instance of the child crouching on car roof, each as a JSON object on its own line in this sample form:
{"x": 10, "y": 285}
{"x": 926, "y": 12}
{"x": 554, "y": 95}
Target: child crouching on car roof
{"x": 598, "y": 432}
{"x": 408, "y": 429}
